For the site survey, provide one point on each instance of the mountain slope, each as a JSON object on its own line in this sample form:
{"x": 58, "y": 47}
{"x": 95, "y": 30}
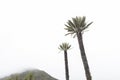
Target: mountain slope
{"x": 34, "y": 74}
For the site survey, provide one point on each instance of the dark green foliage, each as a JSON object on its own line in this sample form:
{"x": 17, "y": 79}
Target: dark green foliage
{"x": 30, "y": 75}
{"x": 16, "y": 77}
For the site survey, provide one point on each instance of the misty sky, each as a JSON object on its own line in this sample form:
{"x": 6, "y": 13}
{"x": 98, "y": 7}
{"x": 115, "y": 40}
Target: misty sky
{"x": 31, "y": 31}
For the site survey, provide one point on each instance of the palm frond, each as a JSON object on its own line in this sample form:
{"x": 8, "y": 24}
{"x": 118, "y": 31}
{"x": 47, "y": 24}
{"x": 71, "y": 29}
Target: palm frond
{"x": 89, "y": 24}
{"x": 75, "y": 22}
{"x": 74, "y": 35}
{"x": 82, "y": 22}
{"x": 64, "y": 46}
{"x": 70, "y": 33}
{"x": 76, "y": 25}
{"x": 85, "y": 27}
{"x": 71, "y": 24}
{"x": 70, "y": 27}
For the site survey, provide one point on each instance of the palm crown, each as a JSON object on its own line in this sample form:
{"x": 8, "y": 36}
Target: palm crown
{"x": 64, "y": 46}
{"x": 77, "y": 25}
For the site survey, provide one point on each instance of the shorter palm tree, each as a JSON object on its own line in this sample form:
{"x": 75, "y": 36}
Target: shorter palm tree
{"x": 64, "y": 47}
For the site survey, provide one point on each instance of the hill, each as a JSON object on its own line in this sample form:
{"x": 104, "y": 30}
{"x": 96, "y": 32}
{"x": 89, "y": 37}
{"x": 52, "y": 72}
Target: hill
{"x": 30, "y": 75}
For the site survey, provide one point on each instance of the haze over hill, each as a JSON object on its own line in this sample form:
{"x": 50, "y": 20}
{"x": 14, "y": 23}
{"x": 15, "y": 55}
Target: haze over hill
{"x": 37, "y": 75}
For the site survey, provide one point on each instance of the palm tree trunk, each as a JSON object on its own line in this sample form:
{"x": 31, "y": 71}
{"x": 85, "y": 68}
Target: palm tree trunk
{"x": 84, "y": 57}
{"x": 66, "y": 65}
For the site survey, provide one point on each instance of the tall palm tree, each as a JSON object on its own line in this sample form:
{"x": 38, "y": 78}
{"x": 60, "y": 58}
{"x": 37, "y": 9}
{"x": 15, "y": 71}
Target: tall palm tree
{"x": 75, "y": 27}
{"x": 64, "y": 47}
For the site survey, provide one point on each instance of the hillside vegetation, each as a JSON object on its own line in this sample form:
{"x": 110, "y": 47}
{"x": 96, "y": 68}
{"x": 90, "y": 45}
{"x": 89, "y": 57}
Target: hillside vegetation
{"x": 30, "y": 75}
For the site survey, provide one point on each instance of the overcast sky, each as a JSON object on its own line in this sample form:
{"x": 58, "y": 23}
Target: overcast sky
{"x": 31, "y": 31}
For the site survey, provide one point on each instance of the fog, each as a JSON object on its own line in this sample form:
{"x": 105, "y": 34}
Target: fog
{"x": 31, "y": 31}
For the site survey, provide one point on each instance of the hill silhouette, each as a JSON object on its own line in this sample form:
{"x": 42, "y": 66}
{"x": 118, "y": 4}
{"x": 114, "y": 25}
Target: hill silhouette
{"x": 35, "y": 73}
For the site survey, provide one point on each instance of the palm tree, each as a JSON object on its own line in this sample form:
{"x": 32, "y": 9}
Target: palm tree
{"x": 75, "y": 27}
{"x": 64, "y": 47}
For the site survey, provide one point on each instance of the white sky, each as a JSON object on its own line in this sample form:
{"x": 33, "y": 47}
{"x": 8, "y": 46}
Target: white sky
{"x": 31, "y": 31}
